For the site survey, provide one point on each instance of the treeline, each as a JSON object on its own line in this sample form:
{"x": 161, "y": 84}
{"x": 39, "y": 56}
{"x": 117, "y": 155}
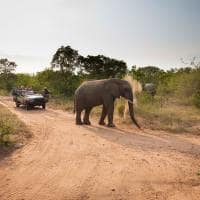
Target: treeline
{"x": 68, "y": 69}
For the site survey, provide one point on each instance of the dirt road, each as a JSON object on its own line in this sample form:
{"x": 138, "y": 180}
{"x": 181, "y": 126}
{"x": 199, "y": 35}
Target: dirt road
{"x": 64, "y": 161}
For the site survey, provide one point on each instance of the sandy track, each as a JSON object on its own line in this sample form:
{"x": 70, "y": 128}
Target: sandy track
{"x": 64, "y": 161}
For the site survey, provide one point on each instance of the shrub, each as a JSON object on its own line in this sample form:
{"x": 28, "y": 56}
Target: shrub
{"x": 144, "y": 98}
{"x": 120, "y": 107}
{"x": 196, "y": 99}
{"x": 6, "y": 129}
{"x": 11, "y": 128}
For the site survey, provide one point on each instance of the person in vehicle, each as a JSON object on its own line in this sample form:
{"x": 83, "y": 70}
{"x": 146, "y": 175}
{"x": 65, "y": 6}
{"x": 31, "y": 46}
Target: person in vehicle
{"x": 45, "y": 94}
{"x": 15, "y": 93}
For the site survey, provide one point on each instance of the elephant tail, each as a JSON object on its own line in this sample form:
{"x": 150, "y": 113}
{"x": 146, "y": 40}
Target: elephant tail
{"x": 74, "y": 111}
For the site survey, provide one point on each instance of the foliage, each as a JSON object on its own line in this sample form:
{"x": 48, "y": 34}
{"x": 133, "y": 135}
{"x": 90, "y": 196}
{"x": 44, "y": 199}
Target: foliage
{"x": 196, "y": 99}
{"x": 167, "y": 115}
{"x": 7, "y": 78}
{"x": 145, "y": 98}
{"x": 120, "y": 107}
{"x": 6, "y": 66}
{"x": 174, "y": 88}
{"x": 5, "y": 129}
{"x": 65, "y": 59}
{"x": 182, "y": 84}
{"x": 172, "y": 108}
{"x": 63, "y": 84}
{"x": 185, "y": 86}
{"x": 99, "y": 67}
{"x": 11, "y": 128}
{"x": 148, "y": 74}
{"x": 68, "y": 60}
{"x": 23, "y": 80}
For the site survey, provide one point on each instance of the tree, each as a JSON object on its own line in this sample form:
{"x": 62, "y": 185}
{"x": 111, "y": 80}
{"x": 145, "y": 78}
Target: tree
{"x": 148, "y": 74}
{"x": 192, "y": 63}
{"x": 66, "y": 59}
{"x": 58, "y": 83}
{"x": 100, "y": 66}
{"x": 7, "y": 78}
{"x": 6, "y": 66}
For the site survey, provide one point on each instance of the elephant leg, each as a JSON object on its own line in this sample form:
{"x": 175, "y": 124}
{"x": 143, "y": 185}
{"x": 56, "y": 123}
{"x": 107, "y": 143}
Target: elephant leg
{"x": 110, "y": 115}
{"x": 103, "y": 116}
{"x": 86, "y": 116}
{"x": 109, "y": 106}
{"x": 78, "y": 117}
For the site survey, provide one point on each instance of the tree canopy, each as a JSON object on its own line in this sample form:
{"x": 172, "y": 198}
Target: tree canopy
{"x": 98, "y": 67}
{"x": 6, "y": 66}
{"x": 148, "y": 74}
{"x": 69, "y": 69}
{"x": 65, "y": 59}
{"x": 7, "y": 78}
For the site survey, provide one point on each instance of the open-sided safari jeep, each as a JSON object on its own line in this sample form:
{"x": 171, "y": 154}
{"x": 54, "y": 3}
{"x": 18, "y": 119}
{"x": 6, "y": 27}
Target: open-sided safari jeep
{"x": 29, "y": 99}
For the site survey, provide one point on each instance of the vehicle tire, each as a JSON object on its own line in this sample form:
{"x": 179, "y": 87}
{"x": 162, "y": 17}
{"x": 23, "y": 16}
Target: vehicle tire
{"x": 44, "y": 106}
{"x": 27, "y": 106}
{"x": 31, "y": 106}
{"x": 17, "y": 104}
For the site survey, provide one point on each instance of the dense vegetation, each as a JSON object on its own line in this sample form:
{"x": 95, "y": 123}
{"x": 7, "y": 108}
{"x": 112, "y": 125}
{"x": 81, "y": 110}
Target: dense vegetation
{"x": 176, "y": 87}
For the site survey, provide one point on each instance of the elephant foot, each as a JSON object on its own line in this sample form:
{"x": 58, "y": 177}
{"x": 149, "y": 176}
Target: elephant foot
{"x": 87, "y": 122}
{"x": 102, "y": 123}
{"x": 79, "y": 123}
{"x": 111, "y": 125}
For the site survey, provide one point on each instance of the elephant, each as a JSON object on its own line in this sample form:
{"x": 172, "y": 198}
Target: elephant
{"x": 150, "y": 88}
{"x": 102, "y": 92}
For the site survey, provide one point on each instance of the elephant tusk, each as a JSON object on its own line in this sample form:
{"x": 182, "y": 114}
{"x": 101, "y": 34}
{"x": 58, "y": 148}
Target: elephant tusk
{"x": 130, "y": 101}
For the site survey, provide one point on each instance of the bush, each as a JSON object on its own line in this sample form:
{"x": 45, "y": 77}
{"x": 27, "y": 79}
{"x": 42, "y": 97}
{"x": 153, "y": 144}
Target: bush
{"x": 11, "y": 128}
{"x": 145, "y": 98}
{"x": 168, "y": 109}
{"x": 6, "y": 129}
{"x": 196, "y": 99}
{"x": 120, "y": 107}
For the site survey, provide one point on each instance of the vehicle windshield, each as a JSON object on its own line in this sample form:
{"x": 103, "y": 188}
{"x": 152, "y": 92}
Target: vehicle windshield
{"x": 31, "y": 92}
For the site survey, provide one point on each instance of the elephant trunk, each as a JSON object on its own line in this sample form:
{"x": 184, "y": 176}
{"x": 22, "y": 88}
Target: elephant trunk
{"x": 131, "y": 112}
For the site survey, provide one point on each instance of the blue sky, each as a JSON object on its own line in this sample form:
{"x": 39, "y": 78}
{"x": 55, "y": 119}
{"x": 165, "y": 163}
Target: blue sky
{"x": 140, "y": 32}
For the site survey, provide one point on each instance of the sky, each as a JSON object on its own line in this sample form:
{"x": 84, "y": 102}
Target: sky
{"x": 140, "y": 32}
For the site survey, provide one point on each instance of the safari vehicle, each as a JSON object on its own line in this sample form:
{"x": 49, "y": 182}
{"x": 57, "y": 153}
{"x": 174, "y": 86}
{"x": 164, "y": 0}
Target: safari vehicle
{"x": 29, "y": 99}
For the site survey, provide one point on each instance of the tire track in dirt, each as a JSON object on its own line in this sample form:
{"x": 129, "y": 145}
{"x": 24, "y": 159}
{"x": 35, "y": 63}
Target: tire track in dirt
{"x": 65, "y": 161}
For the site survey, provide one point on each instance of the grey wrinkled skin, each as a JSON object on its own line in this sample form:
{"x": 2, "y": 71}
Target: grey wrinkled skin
{"x": 102, "y": 92}
{"x": 150, "y": 88}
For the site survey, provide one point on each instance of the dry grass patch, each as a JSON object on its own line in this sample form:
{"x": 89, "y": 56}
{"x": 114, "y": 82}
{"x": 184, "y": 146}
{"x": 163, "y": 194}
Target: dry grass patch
{"x": 4, "y": 92}
{"x": 12, "y": 130}
{"x": 169, "y": 116}
{"x": 61, "y": 103}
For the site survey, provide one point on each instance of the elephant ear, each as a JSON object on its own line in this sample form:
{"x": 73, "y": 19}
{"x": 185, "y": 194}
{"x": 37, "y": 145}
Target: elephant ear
{"x": 113, "y": 89}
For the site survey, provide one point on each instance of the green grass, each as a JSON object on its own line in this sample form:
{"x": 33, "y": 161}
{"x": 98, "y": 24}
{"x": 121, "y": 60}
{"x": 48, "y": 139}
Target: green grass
{"x": 12, "y": 130}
